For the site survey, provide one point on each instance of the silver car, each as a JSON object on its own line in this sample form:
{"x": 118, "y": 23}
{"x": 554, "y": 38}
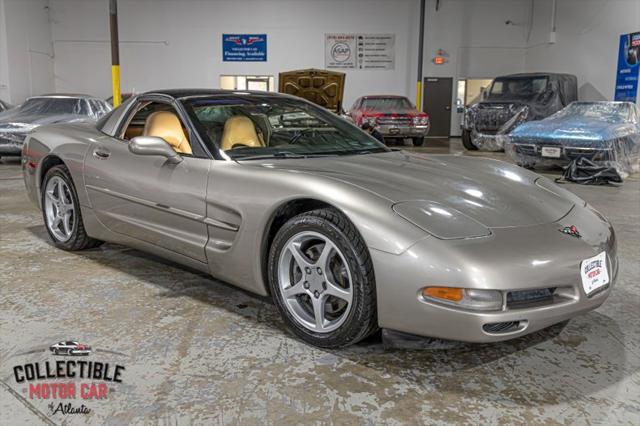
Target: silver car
{"x": 281, "y": 197}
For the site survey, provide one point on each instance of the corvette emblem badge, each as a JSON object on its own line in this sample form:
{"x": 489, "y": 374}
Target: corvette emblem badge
{"x": 571, "y": 230}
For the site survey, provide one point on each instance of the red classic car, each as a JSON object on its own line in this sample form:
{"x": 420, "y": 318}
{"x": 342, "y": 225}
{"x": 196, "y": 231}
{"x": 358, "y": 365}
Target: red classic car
{"x": 394, "y": 116}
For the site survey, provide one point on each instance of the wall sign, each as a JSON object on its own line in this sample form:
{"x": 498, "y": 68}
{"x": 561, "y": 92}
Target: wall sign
{"x": 360, "y": 51}
{"x": 244, "y": 47}
{"x": 628, "y": 67}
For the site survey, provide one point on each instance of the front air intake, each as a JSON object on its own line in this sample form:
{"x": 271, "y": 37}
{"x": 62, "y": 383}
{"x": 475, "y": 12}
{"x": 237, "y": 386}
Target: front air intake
{"x": 501, "y": 327}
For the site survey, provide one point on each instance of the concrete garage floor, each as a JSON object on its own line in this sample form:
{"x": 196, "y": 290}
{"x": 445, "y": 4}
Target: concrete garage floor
{"x": 198, "y": 351}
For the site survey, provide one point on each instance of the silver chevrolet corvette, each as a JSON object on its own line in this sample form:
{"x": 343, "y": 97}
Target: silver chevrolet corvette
{"x": 280, "y": 197}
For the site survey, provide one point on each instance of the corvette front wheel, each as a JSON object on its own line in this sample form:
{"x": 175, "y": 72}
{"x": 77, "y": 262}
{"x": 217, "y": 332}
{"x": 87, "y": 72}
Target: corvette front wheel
{"x": 321, "y": 279}
{"x": 61, "y": 211}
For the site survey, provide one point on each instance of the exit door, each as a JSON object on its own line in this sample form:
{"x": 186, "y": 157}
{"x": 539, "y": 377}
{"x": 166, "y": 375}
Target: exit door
{"x": 436, "y": 101}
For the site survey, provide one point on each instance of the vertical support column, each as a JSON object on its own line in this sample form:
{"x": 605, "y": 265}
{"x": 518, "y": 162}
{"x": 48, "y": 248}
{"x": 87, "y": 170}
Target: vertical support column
{"x": 420, "y": 57}
{"x": 115, "y": 52}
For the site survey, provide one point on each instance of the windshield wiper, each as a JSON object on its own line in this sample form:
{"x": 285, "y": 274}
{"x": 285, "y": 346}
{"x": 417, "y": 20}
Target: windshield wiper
{"x": 281, "y": 154}
{"x": 368, "y": 151}
{"x": 285, "y": 154}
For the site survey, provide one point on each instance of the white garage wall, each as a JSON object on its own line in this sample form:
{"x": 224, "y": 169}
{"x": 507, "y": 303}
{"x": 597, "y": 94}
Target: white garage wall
{"x": 477, "y": 40}
{"x": 26, "y": 62}
{"x": 475, "y": 36}
{"x": 4, "y": 61}
{"x": 178, "y": 43}
{"x": 171, "y": 43}
{"x": 587, "y": 37}
{"x": 168, "y": 44}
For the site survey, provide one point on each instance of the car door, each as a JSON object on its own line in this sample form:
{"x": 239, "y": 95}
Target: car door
{"x": 147, "y": 197}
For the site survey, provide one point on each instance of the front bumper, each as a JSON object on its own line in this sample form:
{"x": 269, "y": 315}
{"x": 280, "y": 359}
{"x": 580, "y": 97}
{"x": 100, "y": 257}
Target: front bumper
{"x": 511, "y": 260}
{"x": 567, "y": 153}
{"x": 403, "y": 131}
{"x": 11, "y": 144}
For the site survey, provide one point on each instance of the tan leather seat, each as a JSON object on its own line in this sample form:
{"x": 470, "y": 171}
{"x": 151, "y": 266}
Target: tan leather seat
{"x": 239, "y": 131}
{"x": 166, "y": 125}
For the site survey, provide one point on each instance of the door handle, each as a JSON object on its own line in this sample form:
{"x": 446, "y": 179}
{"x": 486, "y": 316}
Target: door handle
{"x": 101, "y": 153}
{"x": 448, "y": 108}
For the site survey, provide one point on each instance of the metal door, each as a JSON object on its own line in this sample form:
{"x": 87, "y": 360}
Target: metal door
{"x": 436, "y": 101}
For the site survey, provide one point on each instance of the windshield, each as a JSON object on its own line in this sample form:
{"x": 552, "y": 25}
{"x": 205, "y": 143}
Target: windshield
{"x": 386, "y": 103}
{"x": 252, "y": 127}
{"x": 56, "y": 106}
{"x": 605, "y": 111}
{"x": 517, "y": 87}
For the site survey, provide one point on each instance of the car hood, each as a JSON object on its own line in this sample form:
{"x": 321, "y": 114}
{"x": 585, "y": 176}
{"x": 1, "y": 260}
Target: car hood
{"x": 573, "y": 128}
{"x": 494, "y": 193}
{"x": 322, "y": 87}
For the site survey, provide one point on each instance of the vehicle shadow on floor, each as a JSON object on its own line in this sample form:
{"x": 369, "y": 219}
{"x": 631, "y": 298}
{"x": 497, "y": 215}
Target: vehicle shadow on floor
{"x": 563, "y": 363}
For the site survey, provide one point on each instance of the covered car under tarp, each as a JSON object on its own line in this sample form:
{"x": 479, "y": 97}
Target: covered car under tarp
{"x": 512, "y": 100}
{"x": 607, "y": 133}
{"x": 36, "y": 111}
{"x": 322, "y": 87}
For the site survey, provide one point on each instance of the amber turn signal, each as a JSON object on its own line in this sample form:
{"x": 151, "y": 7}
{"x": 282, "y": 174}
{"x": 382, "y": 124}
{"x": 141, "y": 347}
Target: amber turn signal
{"x": 447, "y": 293}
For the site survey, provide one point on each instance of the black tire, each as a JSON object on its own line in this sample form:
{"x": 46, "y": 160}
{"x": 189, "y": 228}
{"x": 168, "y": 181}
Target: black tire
{"x": 79, "y": 239}
{"x": 467, "y": 142}
{"x": 55, "y": 351}
{"x": 417, "y": 141}
{"x": 362, "y": 320}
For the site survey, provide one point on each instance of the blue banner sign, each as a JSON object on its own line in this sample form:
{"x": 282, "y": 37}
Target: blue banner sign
{"x": 244, "y": 47}
{"x": 628, "y": 67}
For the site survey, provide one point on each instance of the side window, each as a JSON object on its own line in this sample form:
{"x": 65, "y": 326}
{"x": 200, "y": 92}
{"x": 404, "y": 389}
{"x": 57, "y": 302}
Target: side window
{"x": 160, "y": 120}
{"x": 496, "y": 89}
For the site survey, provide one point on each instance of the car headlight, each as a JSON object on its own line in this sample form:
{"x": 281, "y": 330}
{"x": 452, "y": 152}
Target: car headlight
{"x": 548, "y": 185}
{"x": 466, "y": 298}
{"x": 421, "y": 121}
{"x": 371, "y": 120}
{"x": 440, "y": 221}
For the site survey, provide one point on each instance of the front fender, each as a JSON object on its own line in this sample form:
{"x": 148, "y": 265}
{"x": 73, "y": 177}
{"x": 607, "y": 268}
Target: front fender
{"x": 237, "y": 224}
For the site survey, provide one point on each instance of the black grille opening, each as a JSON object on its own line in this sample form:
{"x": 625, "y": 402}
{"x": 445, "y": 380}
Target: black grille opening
{"x": 501, "y": 327}
{"x": 524, "y": 298}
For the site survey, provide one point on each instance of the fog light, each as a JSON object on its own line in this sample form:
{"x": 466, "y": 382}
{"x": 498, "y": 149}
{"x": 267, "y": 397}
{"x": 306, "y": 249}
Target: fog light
{"x": 467, "y": 298}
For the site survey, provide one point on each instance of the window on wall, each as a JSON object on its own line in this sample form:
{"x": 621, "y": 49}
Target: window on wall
{"x": 264, "y": 83}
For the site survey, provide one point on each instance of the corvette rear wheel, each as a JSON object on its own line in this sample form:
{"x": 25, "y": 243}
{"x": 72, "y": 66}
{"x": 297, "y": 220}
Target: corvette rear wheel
{"x": 61, "y": 211}
{"x": 321, "y": 279}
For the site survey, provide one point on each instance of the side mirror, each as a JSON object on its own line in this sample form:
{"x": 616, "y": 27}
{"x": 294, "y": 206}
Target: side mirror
{"x": 153, "y": 145}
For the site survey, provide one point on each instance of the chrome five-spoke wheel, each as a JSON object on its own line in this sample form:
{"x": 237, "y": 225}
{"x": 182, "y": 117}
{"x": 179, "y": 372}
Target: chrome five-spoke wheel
{"x": 315, "y": 281}
{"x": 59, "y": 209}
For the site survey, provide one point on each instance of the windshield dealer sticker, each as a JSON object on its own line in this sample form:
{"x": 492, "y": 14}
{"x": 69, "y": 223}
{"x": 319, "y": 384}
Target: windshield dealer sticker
{"x": 594, "y": 274}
